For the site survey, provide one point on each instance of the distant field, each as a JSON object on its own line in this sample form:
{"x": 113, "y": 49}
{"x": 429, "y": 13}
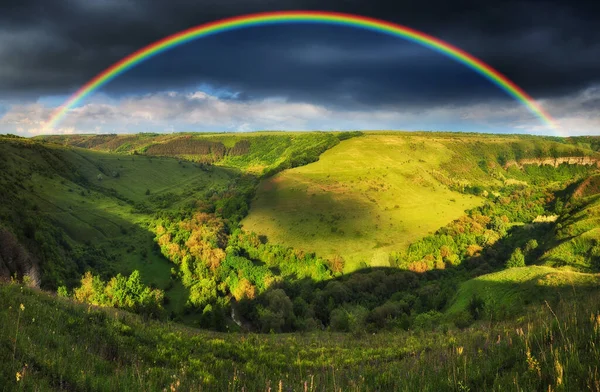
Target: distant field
{"x": 364, "y": 198}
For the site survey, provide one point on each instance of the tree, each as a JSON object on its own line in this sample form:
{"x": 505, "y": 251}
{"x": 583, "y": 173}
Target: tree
{"x": 147, "y": 192}
{"x": 279, "y": 313}
{"x": 120, "y": 292}
{"x": 517, "y": 259}
{"x": 499, "y": 224}
{"x": 338, "y": 320}
{"x": 337, "y": 264}
{"x": 476, "y": 306}
{"x": 532, "y": 244}
{"x": 203, "y": 292}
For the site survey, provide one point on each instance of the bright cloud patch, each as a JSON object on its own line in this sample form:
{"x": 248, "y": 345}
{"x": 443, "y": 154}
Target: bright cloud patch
{"x": 199, "y": 111}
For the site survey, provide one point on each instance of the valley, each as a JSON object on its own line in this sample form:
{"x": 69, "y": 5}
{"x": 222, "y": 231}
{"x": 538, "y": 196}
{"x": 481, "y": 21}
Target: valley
{"x": 322, "y": 242}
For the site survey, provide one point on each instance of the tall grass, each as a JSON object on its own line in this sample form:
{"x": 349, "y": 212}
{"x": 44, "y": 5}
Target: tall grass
{"x": 65, "y": 346}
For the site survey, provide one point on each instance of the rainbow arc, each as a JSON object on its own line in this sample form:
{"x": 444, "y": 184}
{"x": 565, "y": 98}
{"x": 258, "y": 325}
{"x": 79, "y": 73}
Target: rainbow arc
{"x": 286, "y": 17}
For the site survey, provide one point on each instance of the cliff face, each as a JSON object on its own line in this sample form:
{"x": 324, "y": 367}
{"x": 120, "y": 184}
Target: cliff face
{"x": 588, "y": 161}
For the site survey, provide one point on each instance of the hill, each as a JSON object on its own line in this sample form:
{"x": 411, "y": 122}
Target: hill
{"x": 77, "y": 209}
{"x": 504, "y": 293}
{"x": 497, "y": 287}
{"x": 362, "y": 199}
{"x": 260, "y": 153}
{"x": 577, "y": 233}
{"x": 373, "y": 195}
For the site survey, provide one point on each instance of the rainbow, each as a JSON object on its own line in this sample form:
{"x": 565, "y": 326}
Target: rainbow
{"x": 283, "y": 17}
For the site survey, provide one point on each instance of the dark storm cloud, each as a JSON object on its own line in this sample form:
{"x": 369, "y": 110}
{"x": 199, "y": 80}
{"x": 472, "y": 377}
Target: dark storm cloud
{"x": 549, "y": 49}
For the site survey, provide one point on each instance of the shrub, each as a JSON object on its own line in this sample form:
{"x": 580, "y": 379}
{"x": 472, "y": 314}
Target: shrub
{"x": 532, "y": 244}
{"x": 336, "y": 264}
{"x": 62, "y": 292}
{"x": 338, "y": 320}
{"x": 428, "y": 320}
{"x": 476, "y": 307}
{"x": 463, "y": 319}
{"x": 517, "y": 259}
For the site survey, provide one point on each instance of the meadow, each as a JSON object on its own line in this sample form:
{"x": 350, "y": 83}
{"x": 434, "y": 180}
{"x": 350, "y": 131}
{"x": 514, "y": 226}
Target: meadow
{"x": 393, "y": 261}
{"x": 363, "y": 198}
{"x": 49, "y": 343}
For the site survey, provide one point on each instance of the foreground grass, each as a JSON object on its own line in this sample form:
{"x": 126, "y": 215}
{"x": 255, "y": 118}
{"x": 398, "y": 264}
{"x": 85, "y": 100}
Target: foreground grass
{"x": 63, "y": 346}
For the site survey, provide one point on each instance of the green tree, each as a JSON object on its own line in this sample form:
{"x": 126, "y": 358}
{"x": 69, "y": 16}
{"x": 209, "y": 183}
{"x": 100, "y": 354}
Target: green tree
{"x": 531, "y": 245}
{"x": 517, "y": 259}
{"x": 338, "y": 320}
{"x": 62, "y": 291}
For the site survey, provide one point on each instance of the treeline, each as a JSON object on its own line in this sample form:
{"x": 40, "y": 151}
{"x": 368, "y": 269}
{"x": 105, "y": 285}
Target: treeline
{"x": 366, "y": 300}
{"x": 128, "y": 293}
{"x": 481, "y": 228}
{"x": 586, "y": 142}
{"x": 288, "y": 262}
{"x": 215, "y": 265}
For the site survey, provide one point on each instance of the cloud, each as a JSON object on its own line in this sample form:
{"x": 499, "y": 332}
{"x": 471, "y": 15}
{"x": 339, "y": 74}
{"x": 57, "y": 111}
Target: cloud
{"x": 173, "y": 111}
{"x": 549, "y": 48}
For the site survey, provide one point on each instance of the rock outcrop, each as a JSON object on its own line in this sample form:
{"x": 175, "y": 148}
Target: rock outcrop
{"x": 588, "y": 161}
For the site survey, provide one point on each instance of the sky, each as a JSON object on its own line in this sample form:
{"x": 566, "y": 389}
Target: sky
{"x": 299, "y": 76}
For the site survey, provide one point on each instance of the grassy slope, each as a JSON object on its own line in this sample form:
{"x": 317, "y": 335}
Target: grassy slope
{"x": 578, "y": 230}
{"x": 505, "y": 292}
{"x": 96, "y": 213}
{"x": 569, "y": 263}
{"x": 268, "y": 150}
{"x": 53, "y": 344}
{"x": 363, "y": 198}
{"x": 374, "y": 194}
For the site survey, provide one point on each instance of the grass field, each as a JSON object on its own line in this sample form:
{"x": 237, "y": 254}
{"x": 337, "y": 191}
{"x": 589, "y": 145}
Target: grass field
{"x": 49, "y": 343}
{"x": 364, "y": 198}
{"x": 505, "y": 292}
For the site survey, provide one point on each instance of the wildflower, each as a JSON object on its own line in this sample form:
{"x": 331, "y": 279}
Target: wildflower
{"x": 459, "y": 350}
{"x": 19, "y": 376}
{"x": 559, "y": 372}
{"x": 22, "y": 307}
{"x": 533, "y": 363}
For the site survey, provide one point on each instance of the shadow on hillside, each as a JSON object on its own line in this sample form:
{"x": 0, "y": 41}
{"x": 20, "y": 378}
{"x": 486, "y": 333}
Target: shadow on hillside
{"x": 390, "y": 297}
{"x": 320, "y": 213}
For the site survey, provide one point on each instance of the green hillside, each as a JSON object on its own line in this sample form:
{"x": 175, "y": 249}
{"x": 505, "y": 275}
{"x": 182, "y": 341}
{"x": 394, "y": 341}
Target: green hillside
{"x": 373, "y": 195}
{"x": 78, "y": 209}
{"x": 577, "y": 237}
{"x": 504, "y": 293}
{"x": 257, "y": 153}
{"x": 362, "y": 199}
{"x": 392, "y": 261}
